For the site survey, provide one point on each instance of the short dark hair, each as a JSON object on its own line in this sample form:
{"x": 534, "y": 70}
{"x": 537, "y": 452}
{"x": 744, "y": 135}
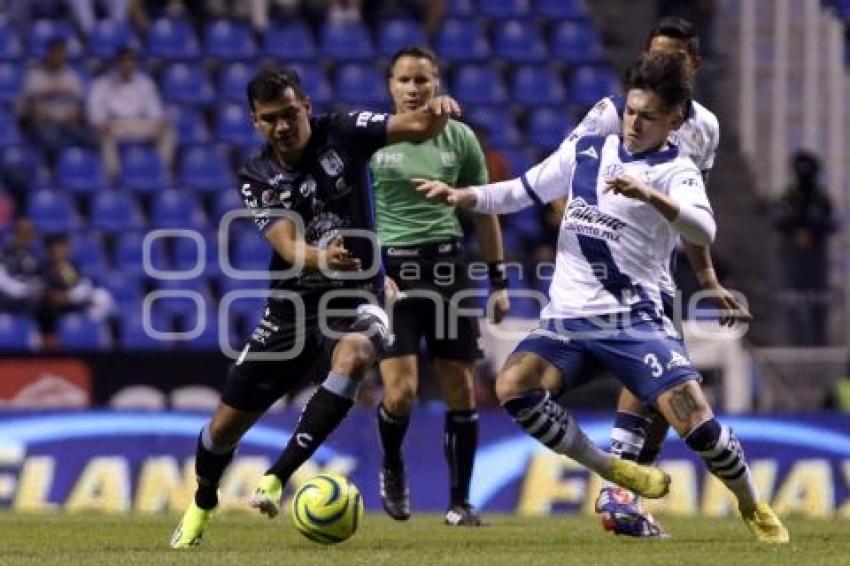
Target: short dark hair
{"x": 677, "y": 28}
{"x": 417, "y": 51}
{"x": 269, "y": 83}
{"x": 666, "y": 74}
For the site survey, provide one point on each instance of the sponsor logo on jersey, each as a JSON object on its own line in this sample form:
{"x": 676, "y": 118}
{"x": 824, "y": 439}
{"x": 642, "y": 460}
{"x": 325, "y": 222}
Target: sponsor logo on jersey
{"x": 363, "y": 118}
{"x": 402, "y": 252}
{"x": 588, "y": 220}
{"x": 331, "y": 162}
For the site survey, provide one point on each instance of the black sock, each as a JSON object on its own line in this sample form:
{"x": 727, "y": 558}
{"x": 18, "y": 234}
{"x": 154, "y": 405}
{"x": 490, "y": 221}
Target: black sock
{"x": 392, "y": 430}
{"x": 459, "y": 444}
{"x": 210, "y": 463}
{"x": 320, "y": 417}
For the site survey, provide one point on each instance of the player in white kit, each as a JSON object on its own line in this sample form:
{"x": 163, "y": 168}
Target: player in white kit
{"x": 630, "y": 197}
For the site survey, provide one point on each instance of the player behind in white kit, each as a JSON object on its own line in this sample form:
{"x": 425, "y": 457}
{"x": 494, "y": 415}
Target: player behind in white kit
{"x": 629, "y": 199}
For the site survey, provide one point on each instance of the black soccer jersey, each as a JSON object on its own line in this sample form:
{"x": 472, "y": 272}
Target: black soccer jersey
{"x": 329, "y": 190}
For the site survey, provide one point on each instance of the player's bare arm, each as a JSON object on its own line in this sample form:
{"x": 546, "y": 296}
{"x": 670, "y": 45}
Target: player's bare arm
{"x": 441, "y": 192}
{"x": 424, "y": 122}
{"x": 291, "y": 247}
{"x": 731, "y": 309}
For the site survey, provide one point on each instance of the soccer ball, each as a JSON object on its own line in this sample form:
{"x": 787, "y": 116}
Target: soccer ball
{"x": 327, "y": 509}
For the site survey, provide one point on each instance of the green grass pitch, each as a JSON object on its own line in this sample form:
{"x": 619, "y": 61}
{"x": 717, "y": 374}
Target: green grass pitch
{"x": 242, "y": 539}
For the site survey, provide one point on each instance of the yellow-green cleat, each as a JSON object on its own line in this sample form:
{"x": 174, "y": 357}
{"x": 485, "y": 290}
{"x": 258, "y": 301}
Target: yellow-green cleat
{"x": 267, "y": 496}
{"x": 191, "y": 528}
{"x": 646, "y": 481}
{"x": 765, "y": 525}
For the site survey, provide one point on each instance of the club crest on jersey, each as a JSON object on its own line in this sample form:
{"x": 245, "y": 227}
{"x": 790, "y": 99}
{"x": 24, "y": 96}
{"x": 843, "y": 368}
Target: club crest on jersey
{"x": 307, "y": 187}
{"x": 331, "y": 162}
{"x": 613, "y": 171}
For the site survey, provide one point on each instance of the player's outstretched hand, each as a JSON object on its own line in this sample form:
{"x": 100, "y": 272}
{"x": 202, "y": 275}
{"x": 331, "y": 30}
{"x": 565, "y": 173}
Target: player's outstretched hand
{"x": 629, "y": 187}
{"x": 338, "y": 258}
{"x": 501, "y": 305}
{"x": 441, "y": 192}
{"x": 444, "y": 104}
{"x": 732, "y": 310}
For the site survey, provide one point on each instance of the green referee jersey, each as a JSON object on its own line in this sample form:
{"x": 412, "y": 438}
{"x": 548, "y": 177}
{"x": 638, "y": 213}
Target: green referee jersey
{"x": 405, "y": 217}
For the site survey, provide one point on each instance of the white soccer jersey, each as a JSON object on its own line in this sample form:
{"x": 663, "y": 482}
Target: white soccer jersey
{"x": 612, "y": 249}
{"x": 697, "y": 138}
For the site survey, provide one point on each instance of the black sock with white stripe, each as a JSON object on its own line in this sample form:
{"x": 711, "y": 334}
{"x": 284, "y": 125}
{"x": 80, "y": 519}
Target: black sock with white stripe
{"x": 725, "y": 459}
{"x": 628, "y": 435}
{"x": 552, "y": 425}
{"x": 460, "y": 441}
{"x": 392, "y": 430}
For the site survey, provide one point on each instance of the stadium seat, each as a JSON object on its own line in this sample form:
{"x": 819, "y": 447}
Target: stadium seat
{"x": 548, "y": 127}
{"x": 186, "y": 254}
{"x": 233, "y": 126}
{"x": 227, "y": 40}
{"x": 177, "y": 209}
{"x": 187, "y": 84}
{"x": 478, "y": 84}
{"x": 462, "y": 40}
{"x": 590, "y": 83}
{"x": 53, "y": 212}
{"x": 128, "y": 254}
{"x": 208, "y": 338}
{"x": 80, "y": 170}
{"x": 499, "y": 124}
{"x": 232, "y": 80}
{"x": 316, "y": 84}
{"x": 142, "y": 170}
{"x": 11, "y": 81}
{"x": 205, "y": 168}
{"x": 346, "y": 42}
{"x": 519, "y": 42}
{"x": 227, "y": 200}
{"x": 181, "y": 308}
{"x": 290, "y": 42}
{"x": 251, "y": 253}
{"x": 460, "y": 8}
{"x": 42, "y": 32}
{"x": 504, "y": 9}
{"x": 108, "y": 36}
{"x": 574, "y": 43}
{"x": 521, "y": 159}
{"x": 17, "y": 333}
{"x": 397, "y": 34}
{"x": 172, "y": 40}
{"x": 190, "y": 125}
{"x": 21, "y": 165}
{"x": 561, "y": 9}
{"x": 533, "y": 85}
{"x": 10, "y": 44}
{"x": 115, "y": 212}
{"x": 126, "y": 289}
{"x": 79, "y": 332}
{"x": 135, "y": 337}
{"x": 10, "y": 135}
{"x": 361, "y": 84}
{"x": 89, "y": 255}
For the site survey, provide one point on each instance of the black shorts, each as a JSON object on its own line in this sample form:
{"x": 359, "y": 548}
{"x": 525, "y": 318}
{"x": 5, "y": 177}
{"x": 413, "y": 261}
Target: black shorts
{"x": 287, "y": 352}
{"x": 430, "y": 276}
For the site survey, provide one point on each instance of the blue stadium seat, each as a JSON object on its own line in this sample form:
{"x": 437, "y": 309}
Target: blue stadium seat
{"x": 79, "y": 332}
{"x": 574, "y": 43}
{"x": 108, "y": 36}
{"x": 182, "y": 308}
{"x": 126, "y": 289}
{"x": 251, "y": 253}
{"x": 521, "y": 159}
{"x": 187, "y": 84}
{"x": 190, "y": 125}
{"x": 478, "y": 84}
{"x": 172, "y": 40}
{"x": 11, "y": 81}
{"x": 227, "y": 200}
{"x": 504, "y": 9}
{"x": 10, "y": 44}
{"x": 115, "y": 212}
{"x": 232, "y": 80}
{"x": 533, "y": 85}
{"x": 290, "y": 42}
{"x": 10, "y": 135}
{"x": 208, "y": 339}
{"x": 17, "y": 333}
{"x": 177, "y": 209}
{"x": 186, "y": 254}
{"x": 397, "y": 34}
{"x": 519, "y": 42}
{"x": 205, "y": 168}
{"x": 21, "y": 164}
{"x": 142, "y": 170}
{"x": 89, "y": 255}
{"x": 499, "y": 124}
{"x": 42, "y": 32}
{"x": 462, "y": 40}
{"x": 134, "y": 336}
{"x": 128, "y": 254}
{"x": 562, "y": 9}
{"x": 346, "y": 42}
{"x": 229, "y": 41}
{"x": 53, "y": 212}
{"x": 316, "y": 84}
{"x": 80, "y": 170}
{"x": 361, "y": 84}
{"x": 548, "y": 127}
{"x": 590, "y": 83}
{"x": 233, "y": 126}
{"x": 460, "y": 9}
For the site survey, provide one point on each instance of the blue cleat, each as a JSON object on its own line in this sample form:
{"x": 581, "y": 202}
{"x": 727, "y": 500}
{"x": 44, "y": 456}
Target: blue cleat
{"x": 622, "y": 514}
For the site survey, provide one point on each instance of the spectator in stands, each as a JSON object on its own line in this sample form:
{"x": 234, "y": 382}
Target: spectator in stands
{"x": 67, "y": 290}
{"x": 124, "y": 106}
{"x": 50, "y": 105}
{"x": 804, "y": 219}
{"x": 19, "y": 265}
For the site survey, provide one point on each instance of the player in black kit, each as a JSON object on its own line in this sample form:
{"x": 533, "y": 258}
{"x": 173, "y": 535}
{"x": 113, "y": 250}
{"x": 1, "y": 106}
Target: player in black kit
{"x": 309, "y": 193}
